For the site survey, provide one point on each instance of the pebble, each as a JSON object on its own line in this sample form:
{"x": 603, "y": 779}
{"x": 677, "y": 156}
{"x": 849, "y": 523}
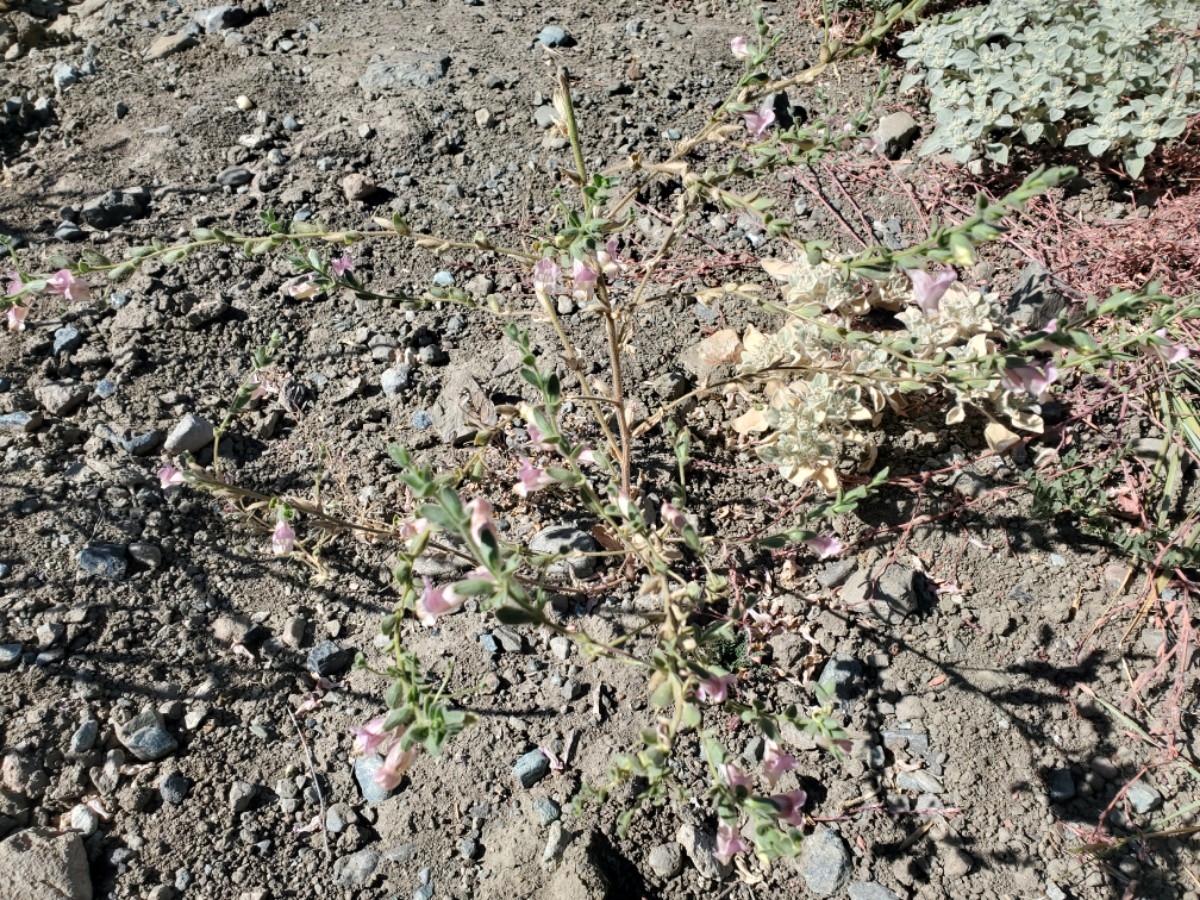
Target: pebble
{"x": 145, "y": 553}
{"x": 910, "y": 709}
{"x": 356, "y": 186}
{"x": 84, "y": 738}
{"x": 421, "y": 420}
{"x": 191, "y": 434}
{"x": 1061, "y": 785}
{"x": 531, "y": 768}
{"x": 61, "y": 398}
{"x": 21, "y": 421}
{"x": 234, "y": 176}
{"x": 701, "y": 848}
{"x": 572, "y": 690}
{"x": 105, "y": 561}
{"x": 10, "y": 655}
{"x": 561, "y": 647}
{"x": 327, "y": 658}
{"x": 67, "y": 339}
{"x": 893, "y": 595}
{"x": 240, "y": 795}
{"x": 84, "y": 820}
{"x": 69, "y": 232}
{"x": 468, "y": 848}
{"x": 290, "y": 123}
{"x": 335, "y": 816}
{"x": 414, "y": 69}
{"x": 547, "y": 810}
{"x": 424, "y": 892}
{"x": 64, "y": 75}
{"x": 553, "y": 36}
{"x": 839, "y": 674}
{"x": 1142, "y": 798}
{"x": 443, "y": 279}
{"x": 920, "y": 781}
{"x": 174, "y": 788}
{"x": 825, "y": 862}
{"x": 293, "y": 630}
{"x": 557, "y": 839}
{"x": 218, "y": 18}
{"x": 560, "y": 539}
{"x": 365, "y": 768}
{"x": 356, "y": 868}
{"x": 145, "y": 737}
{"x": 896, "y": 133}
{"x": 666, "y": 860}
{"x": 113, "y": 208}
{"x": 396, "y": 380}
{"x": 957, "y": 864}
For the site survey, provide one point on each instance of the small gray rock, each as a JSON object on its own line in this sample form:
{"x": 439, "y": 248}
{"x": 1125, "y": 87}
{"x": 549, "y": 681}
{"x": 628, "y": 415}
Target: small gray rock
{"x": 218, "y": 18}
{"x": 191, "y": 434}
{"x": 414, "y": 69}
{"x": 67, "y": 339}
{"x": 557, "y": 839}
{"x": 145, "y": 554}
{"x": 1037, "y": 299}
{"x": 553, "y": 36}
{"x": 105, "y": 561}
{"x": 836, "y": 572}
{"x": 64, "y": 74}
{"x": 1143, "y": 798}
{"x": 547, "y": 810}
{"x": 327, "y": 658}
{"x": 10, "y": 656}
{"x": 84, "y": 738}
{"x": 1060, "y": 785}
{"x": 356, "y": 868}
{"x": 169, "y": 44}
{"x": 910, "y": 709}
{"x": 563, "y": 539}
{"x": 531, "y": 768}
{"x": 395, "y": 381}
{"x": 145, "y": 737}
{"x": 896, "y": 133}
{"x": 666, "y": 860}
{"x": 84, "y": 820}
{"x": 825, "y": 862}
{"x": 293, "y": 631}
{"x": 701, "y": 848}
{"x": 839, "y": 675}
{"x": 572, "y": 690}
{"x": 335, "y": 817}
{"x": 893, "y": 595}
{"x": 21, "y": 421}
{"x": 234, "y": 176}
{"x": 174, "y": 788}
{"x": 61, "y": 398}
{"x": 920, "y": 781}
{"x": 111, "y": 209}
{"x": 957, "y": 863}
{"x": 510, "y": 641}
{"x": 241, "y": 793}
{"x": 365, "y": 768}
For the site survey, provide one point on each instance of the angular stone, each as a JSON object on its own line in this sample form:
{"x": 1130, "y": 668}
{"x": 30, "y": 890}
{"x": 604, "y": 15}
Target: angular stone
{"x": 105, "y": 561}
{"x": 327, "y": 658}
{"x": 415, "y": 69}
{"x": 893, "y": 595}
{"x": 61, "y": 398}
{"x": 896, "y": 133}
{"x": 191, "y": 434}
{"x": 868, "y": 890}
{"x": 701, "y": 848}
{"x": 21, "y": 421}
{"x": 825, "y": 862}
{"x": 169, "y": 44}
{"x": 531, "y": 768}
{"x": 559, "y": 540}
{"x": 36, "y": 864}
{"x": 145, "y": 737}
{"x": 356, "y": 868}
{"x": 666, "y": 860}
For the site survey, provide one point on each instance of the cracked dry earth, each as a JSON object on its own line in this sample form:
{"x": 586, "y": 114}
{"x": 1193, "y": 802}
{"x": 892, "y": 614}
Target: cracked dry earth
{"x": 154, "y": 658}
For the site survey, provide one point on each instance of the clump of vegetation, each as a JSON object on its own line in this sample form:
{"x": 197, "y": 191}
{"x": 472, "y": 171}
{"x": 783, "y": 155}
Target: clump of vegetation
{"x": 1116, "y": 77}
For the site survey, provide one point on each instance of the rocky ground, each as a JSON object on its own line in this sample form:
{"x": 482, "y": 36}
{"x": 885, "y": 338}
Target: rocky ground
{"x": 159, "y": 666}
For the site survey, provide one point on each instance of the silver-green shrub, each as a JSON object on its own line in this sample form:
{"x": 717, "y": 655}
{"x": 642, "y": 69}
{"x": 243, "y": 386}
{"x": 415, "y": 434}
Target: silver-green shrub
{"x": 1116, "y": 76}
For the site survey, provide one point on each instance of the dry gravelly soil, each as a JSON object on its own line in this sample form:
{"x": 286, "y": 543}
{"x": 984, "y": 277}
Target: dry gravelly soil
{"x": 116, "y": 598}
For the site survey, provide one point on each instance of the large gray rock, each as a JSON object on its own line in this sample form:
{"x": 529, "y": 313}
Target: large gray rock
{"x": 356, "y": 868}
{"x": 561, "y": 540}
{"x": 896, "y": 133}
{"x": 37, "y": 864}
{"x": 191, "y": 434}
{"x": 111, "y": 209}
{"x": 415, "y": 69}
{"x": 825, "y": 862}
{"x": 892, "y": 595}
{"x": 700, "y": 846}
{"x": 145, "y": 737}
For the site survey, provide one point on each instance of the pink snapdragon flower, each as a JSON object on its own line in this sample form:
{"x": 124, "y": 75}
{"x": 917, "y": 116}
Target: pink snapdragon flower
{"x": 1032, "y": 378}
{"x": 759, "y": 122}
{"x": 587, "y": 456}
{"x": 1167, "y": 351}
{"x": 169, "y": 476}
{"x": 413, "y": 529}
{"x": 395, "y": 764}
{"x": 480, "y": 511}
{"x": 63, "y": 282}
{"x": 15, "y": 284}
{"x": 791, "y": 806}
{"x": 16, "y": 317}
{"x": 584, "y": 280}
{"x": 263, "y": 385}
{"x": 729, "y": 844}
{"x": 735, "y": 777}
{"x": 739, "y": 47}
{"x": 342, "y": 265}
{"x": 282, "y": 538}
{"x": 302, "y": 287}
{"x": 370, "y": 737}
{"x": 776, "y": 762}
{"x": 929, "y": 289}
{"x": 606, "y": 258}
{"x": 538, "y": 438}
{"x": 532, "y": 478}
{"x": 436, "y": 602}
{"x": 545, "y": 277}
{"x": 825, "y": 546}
{"x": 672, "y": 516}
{"x": 715, "y": 688}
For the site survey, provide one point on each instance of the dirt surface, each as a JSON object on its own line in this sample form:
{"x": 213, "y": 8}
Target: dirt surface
{"x": 981, "y": 764}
